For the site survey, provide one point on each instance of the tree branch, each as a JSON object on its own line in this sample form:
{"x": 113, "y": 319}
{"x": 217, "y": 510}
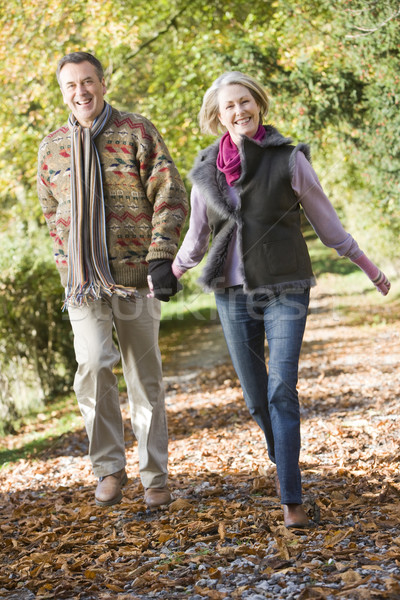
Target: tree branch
{"x": 172, "y": 23}
{"x": 368, "y": 31}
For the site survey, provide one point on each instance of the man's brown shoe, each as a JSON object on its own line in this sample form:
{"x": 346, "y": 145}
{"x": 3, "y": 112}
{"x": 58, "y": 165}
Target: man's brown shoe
{"x": 294, "y": 516}
{"x": 108, "y": 491}
{"x": 157, "y": 496}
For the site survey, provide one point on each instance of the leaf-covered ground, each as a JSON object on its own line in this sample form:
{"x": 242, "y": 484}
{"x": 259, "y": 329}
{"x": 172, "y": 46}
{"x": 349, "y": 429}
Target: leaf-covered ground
{"x": 223, "y": 535}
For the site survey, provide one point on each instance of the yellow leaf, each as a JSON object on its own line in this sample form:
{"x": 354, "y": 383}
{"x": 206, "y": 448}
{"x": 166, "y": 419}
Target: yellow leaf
{"x": 164, "y": 537}
{"x": 47, "y": 587}
{"x": 337, "y": 537}
{"x": 35, "y": 572}
{"x": 114, "y": 588}
{"x": 89, "y": 574}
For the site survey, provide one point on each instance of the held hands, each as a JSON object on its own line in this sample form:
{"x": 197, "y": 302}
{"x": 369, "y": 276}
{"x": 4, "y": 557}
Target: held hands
{"x": 378, "y": 278}
{"x": 162, "y": 282}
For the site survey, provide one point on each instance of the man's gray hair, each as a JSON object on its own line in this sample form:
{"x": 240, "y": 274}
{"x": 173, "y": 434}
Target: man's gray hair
{"x": 77, "y": 58}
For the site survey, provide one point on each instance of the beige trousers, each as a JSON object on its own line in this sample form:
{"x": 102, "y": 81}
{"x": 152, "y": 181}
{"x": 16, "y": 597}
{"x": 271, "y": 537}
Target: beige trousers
{"x": 136, "y": 322}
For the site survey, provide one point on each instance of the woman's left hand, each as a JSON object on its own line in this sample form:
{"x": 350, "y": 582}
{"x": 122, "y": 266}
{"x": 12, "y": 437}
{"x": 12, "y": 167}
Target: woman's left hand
{"x": 151, "y": 287}
{"x": 378, "y": 278}
{"x": 382, "y": 283}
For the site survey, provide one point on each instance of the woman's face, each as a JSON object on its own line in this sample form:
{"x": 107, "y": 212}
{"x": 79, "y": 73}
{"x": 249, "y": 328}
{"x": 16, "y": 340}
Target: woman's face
{"x": 238, "y": 111}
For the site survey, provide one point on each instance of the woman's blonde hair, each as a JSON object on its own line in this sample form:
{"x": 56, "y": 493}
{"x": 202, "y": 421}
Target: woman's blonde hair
{"x": 208, "y": 115}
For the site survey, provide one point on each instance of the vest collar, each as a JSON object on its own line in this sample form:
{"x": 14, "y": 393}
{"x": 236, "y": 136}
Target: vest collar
{"x": 213, "y": 183}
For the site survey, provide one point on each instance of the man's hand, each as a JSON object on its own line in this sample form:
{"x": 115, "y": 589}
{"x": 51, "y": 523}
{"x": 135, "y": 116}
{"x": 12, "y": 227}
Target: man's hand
{"x": 162, "y": 282}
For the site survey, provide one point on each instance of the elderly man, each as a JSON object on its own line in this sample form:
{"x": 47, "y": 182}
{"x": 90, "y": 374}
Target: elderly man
{"x": 115, "y": 204}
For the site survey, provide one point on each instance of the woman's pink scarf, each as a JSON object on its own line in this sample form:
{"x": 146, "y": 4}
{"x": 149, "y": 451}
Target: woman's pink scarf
{"x": 228, "y": 159}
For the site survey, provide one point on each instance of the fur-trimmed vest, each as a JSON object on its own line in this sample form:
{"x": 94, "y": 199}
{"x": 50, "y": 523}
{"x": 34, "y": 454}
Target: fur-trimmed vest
{"x": 274, "y": 254}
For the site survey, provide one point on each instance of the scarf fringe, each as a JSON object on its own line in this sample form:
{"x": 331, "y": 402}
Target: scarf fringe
{"x": 79, "y": 296}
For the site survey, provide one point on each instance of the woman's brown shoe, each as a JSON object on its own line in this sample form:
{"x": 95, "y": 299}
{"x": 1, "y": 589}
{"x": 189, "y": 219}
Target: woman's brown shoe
{"x": 294, "y": 516}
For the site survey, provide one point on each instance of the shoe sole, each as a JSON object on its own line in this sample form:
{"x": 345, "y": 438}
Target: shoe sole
{"x": 165, "y": 504}
{"x": 300, "y": 526}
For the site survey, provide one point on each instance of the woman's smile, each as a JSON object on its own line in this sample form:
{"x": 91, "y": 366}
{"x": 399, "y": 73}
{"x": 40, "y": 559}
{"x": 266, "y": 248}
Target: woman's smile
{"x": 239, "y": 113}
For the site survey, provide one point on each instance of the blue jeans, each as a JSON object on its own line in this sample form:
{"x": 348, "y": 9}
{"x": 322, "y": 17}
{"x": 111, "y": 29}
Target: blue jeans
{"x": 270, "y": 394}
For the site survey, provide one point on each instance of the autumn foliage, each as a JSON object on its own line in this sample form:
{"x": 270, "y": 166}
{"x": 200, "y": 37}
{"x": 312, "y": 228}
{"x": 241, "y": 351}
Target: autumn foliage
{"x": 331, "y": 70}
{"x": 223, "y": 536}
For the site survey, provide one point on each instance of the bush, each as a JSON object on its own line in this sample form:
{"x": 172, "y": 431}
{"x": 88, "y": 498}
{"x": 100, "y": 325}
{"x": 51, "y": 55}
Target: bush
{"x": 36, "y": 350}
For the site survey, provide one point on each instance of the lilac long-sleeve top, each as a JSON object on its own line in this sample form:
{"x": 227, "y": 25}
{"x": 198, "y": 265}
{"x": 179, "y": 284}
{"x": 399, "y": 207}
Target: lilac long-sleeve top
{"x": 317, "y": 208}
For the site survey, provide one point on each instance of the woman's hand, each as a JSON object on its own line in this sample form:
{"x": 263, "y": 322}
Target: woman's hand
{"x": 378, "y": 278}
{"x": 382, "y": 283}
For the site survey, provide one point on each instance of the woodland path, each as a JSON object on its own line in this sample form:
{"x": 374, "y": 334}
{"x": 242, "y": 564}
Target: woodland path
{"x": 223, "y": 535}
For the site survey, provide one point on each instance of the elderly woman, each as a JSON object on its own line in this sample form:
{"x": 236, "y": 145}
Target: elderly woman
{"x": 248, "y": 187}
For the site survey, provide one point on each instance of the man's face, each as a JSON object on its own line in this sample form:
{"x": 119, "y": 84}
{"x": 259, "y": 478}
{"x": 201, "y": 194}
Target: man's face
{"x": 82, "y": 91}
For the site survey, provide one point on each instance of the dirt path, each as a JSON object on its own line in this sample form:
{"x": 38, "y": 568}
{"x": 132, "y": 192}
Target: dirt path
{"x": 223, "y": 536}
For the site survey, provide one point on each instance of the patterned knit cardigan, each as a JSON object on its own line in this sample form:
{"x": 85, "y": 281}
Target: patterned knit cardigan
{"x": 145, "y": 199}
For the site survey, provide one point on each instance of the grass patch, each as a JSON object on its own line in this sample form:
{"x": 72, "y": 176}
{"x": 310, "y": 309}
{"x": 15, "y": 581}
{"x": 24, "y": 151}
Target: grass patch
{"x": 189, "y": 309}
{"x": 189, "y": 305}
{"x": 355, "y": 298}
{"x": 41, "y": 431}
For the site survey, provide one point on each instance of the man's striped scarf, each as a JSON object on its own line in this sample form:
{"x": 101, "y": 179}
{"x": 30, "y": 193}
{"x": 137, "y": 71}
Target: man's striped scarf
{"x": 89, "y": 276}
